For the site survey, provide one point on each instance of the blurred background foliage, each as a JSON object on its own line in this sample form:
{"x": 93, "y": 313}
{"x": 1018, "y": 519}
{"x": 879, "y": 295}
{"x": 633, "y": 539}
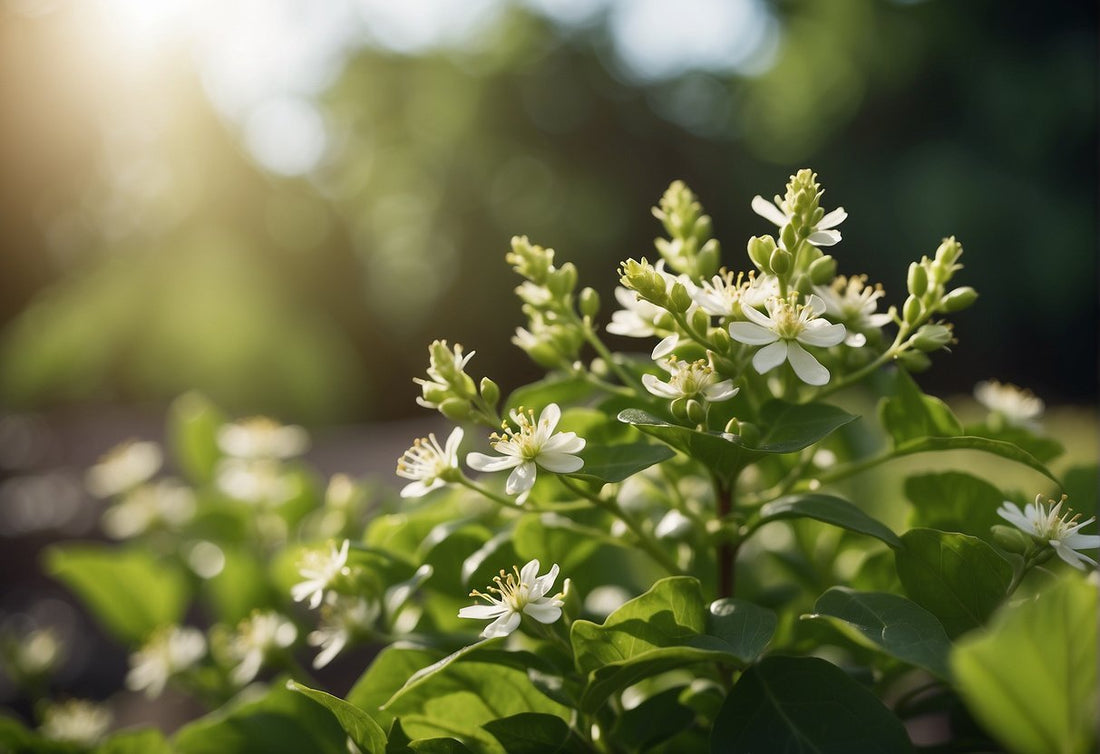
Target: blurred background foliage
{"x": 282, "y": 202}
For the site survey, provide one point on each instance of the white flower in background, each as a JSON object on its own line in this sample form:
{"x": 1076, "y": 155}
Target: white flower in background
{"x": 689, "y": 380}
{"x": 342, "y": 619}
{"x": 257, "y": 637}
{"x": 319, "y": 571}
{"x": 124, "y": 468}
{"x": 261, "y": 437}
{"x": 426, "y": 463}
{"x": 1015, "y": 405}
{"x": 516, "y": 593}
{"x": 854, "y": 303}
{"x": 822, "y": 234}
{"x": 724, "y": 294}
{"x": 77, "y": 721}
{"x": 782, "y": 331}
{"x": 532, "y": 444}
{"x": 1050, "y": 525}
{"x": 165, "y": 502}
{"x": 170, "y": 651}
{"x": 33, "y": 653}
{"x": 259, "y": 482}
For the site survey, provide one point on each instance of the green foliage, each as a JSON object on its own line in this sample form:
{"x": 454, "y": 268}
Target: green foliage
{"x": 830, "y": 510}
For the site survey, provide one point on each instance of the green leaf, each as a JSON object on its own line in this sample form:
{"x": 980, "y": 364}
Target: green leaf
{"x": 737, "y": 628}
{"x": 360, "y": 727}
{"x": 994, "y": 447}
{"x": 1030, "y": 678}
{"x": 534, "y": 733}
{"x": 615, "y": 463}
{"x": 240, "y": 586}
{"x": 890, "y": 623}
{"x": 1045, "y": 449}
{"x": 552, "y": 389}
{"x": 425, "y": 674}
{"x": 804, "y": 704}
{"x": 129, "y": 589}
{"x": 147, "y": 741}
{"x": 789, "y": 427}
{"x": 438, "y": 746}
{"x": 830, "y": 510}
{"x": 958, "y": 578}
{"x": 659, "y": 717}
{"x": 193, "y": 423}
{"x": 281, "y": 720}
{"x": 724, "y": 455}
{"x": 910, "y": 413}
{"x": 953, "y": 501}
{"x": 389, "y": 671}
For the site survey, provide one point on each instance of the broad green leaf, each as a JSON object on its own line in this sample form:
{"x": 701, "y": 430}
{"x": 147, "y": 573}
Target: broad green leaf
{"x": 909, "y": 413}
{"x": 738, "y": 628}
{"x": 425, "y": 674}
{"x": 615, "y": 463}
{"x": 1081, "y": 484}
{"x": 788, "y": 427}
{"x": 1030, "y": 678}
{"x": 193, "y": 423}
{"x": 890, "y": 623}
{"x": 659, "y": 717}
{"x": 1045, "y": 449}
{"x": 830, "y": 510}
{"x": 388, "y": 672}
{"x": 958, "y": 578}
{"x": 539, "y": 536}
{"x": 129, "y": 589}
{"x": 804, "y": 705}
{"x": 438, "y": 746}
{"x": 665, "y": 616}
{"x": 994, "y": 447}
{"x": 615, "y": 676}
{"x": 534, "y": 733}
{"x": 281, "y": 720}
{"x": 147, "y": 741}
{"x": 553, "y": 389}
{"x": 360, "y": 727}
{"x": 953, "y": 501}
{"x": 17, "y": 738}
{"x": 440, "y": 734}
{"x": 724, "y": 455}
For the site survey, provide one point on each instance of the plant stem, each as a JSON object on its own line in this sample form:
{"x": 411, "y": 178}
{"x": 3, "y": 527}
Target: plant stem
{"x": 500, "y": 500}
{"x": 727, "y": 550}
{"x": 604, "y": 353}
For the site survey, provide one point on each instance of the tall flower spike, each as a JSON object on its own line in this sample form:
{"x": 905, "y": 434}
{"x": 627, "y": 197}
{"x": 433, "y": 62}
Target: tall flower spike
{"x": 1051, "y": 526}
{"x": 428, "y": 464}
{"x": 522, "y": 591}
{"x": 782, "y": 330}
{"x": 529, "y": 446}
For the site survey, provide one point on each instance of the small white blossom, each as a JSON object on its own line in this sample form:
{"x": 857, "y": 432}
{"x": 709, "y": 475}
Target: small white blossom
{"x": 341, "y": 620}
{"x": 1015, "y": 405}
{"x": 77, "y": 721}
{"x": 724, "y": 295}
{"x": 531, "y": 445}
{"x": 689, "y": 380}
{"x": 854, "y": 303}
{"x": 258, "y": 636}
{"x": 426, "y": 463}
{"x": 1060, "y": 531}
{"x": 261, "y": 437}
{"x": 782, "y": 330}
{"x": 637, "y": 318}
{"x": 261, "y": 482}
{"x": 822, "y": 234}
{"x": 446, "y": 365}
{"x": 522, "y": 591}
{"x": 124, "y": 468}
{"x": 165, "y": 502}
{"x": 319, "y": 571}
{"x": 170, "y": 651}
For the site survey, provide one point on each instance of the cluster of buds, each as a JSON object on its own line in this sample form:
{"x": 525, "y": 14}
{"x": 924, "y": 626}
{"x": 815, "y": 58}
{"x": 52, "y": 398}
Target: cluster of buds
{"x": 453, "y": 392}
{"x": 690, "y": 248}
{"x": 554, "y": 334}
{"x": 928, "y": 295}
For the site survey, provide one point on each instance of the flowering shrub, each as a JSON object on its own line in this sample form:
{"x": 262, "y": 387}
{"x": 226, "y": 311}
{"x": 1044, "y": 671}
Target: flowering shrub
{"x": 719, "y": 574}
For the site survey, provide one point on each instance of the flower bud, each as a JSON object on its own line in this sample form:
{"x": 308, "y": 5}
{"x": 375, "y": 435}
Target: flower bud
{"x": 490, "y": 392}
{"x": 678, "y": 408}
{"x": 789, "y": 236}
{"x": 760, "y": 250}
{"x": 562, "y": 281}
{"x": 572, "y": 604}
{"x": 708, "y": 259}
{"x": 959, "y": 299}
{"x": 780, "y": 261}
{"x": 589, "y": 302}
{"x": 914, "y": 361}
{"x": 679, "y": 299}
{"x": 749, "y": 433}
{"x": 932, "y": 337}
{"x": 696, "y": 414}
{"x": 912, "y": 310}
{"x": 433, "y": 392}
{"x": 455, "y": 409}
{"x": 917, "y": 280}
{"x": 720, "y": 338}
{"x": 700, "y": 320}
{"x": 643, "y": 278}
{"x": 822, "y": 270}
{"x": 1011, "y": 539}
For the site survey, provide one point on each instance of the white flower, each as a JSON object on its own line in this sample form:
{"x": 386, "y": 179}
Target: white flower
{"x": 530, "y": 445}
{"x": 77, "y": 720}
{"x": 426, "y": 463}
{"x": 260, "y": 437}
{"x": 637, "y": 317}
{"x": 822, "y": 234}
{"x": 259, "y": 481}
{"x": 1016, "y": 405}
{"x": 166, "y": 502}
{"x": 516, "y": 593}
{"x": 853, "y": 302}
{"x": 689, "y": 380}
{"x": 258, "y": 636}
{"x": 341, "y": 620}
{"x": 788, "y": 325}
{"x": 168, "y": 652}
{"x": 319, "y": 571}
{"x": 1059, "y": 531}
{"x": 724, "y": 295}
{"x": 445, "y": 370}
{"x": 124, "y": 468}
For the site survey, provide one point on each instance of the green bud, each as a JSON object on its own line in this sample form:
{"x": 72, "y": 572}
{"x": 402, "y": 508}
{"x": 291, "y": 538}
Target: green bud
{"x": 720, "y": 337}
{"x": 490, "y": 392}
{"x": 948, "y": 252}
{"x": 912, "y": 310}
{"x": 532, "y": 262}
{"x": 434, "y": 393}
{"x": 696, "y": 414}
{"x": 822, "y": 270}
{"x": 760, "y": 250}
{"x": 704, "y": 229}
{"x": 780, "y": 261}
{"x": 708, "y": 259}
{"x": 589, "y": 302}
{"x": 561, "y": 282}
{"x": 932, "y": 337}
{"x": 959, "y": 299}
{"x": 679, "y": 409}
{"x": 1043, "y": 555}
{"x": 455, "y": 409}
{"x": 572, "y": 604}
{"x": 789, "y": 236}
{"x": 914, "y": 361}
{"x": 1011, "y": 539}
{"x": 643, "y": 278}
{"x": 917, "y": 280}
{"x": 749, "y": 433}
{"x": 679, "y": 299}
{"x": 700, "y": 320}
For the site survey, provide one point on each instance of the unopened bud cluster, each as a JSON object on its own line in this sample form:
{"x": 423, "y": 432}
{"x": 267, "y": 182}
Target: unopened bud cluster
{"x": 453, "y": 392}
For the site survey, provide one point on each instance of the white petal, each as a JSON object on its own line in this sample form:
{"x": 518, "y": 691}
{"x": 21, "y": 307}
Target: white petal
{"x": 543, "y": 583}
{"x": 451, "y": 448}
{"x": 530, "y": 571}
{"x": 855, "y": 340}
{"x": 751, "y": 334}
{"x": 769, "y": 357}
{"x": 658, "y": 388}
{"x": 559, "y": 463}
{"x": 543, "y": 612}
{"x": 550, "y": 417}
{"x": 768, "y": 211}
{"x": 822, "y": 334}
{"x": 482, "y": 612}
{"x": 665, "y": 347}
{"x": 522, "y": 478}
{"x": 502, "y": 626}
{"x": 758, "y": 317}
{"x": 419, "y": 489}
{"x": 1074, "y": 558}
{"x": 721, "y": 391}
{"x": 1082, "y": 541}
{"x": 482, "y": 462}
{"x": 824, "y": 238}
{"x": 816, "y": 304}
{"x": 564, "y": 442}
{"x": 832, "y": 219}
{"x": 1011, "y": 513}
{"x": 808, "y": 369}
